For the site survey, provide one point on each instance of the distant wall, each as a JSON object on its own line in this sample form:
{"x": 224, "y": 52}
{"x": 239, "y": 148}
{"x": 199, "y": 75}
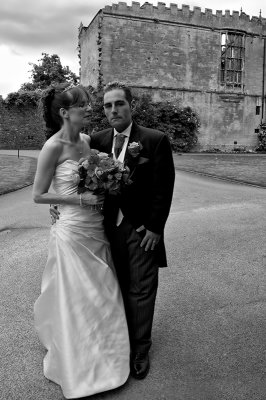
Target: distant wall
{"x": 20, "y": 128}
{"x": 225, "y": 118}
{"x": 175, "y": 54}
{"x": 89, "y": 51}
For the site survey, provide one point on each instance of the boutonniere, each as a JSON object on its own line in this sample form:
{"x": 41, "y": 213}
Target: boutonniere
{"x": 134, "y": 149}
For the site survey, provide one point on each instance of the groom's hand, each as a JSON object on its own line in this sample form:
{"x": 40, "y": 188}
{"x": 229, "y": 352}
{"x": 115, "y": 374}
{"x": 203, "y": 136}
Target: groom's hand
{"x": 54, "y": 213}
{"x": 150, "y": 240}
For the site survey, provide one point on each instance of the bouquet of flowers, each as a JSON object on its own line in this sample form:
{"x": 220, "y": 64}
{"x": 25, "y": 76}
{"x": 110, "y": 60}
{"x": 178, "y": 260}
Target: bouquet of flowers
{"x": 100, "y": 173}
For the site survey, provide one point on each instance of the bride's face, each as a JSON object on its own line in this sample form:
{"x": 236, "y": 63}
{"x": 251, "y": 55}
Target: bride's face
{"x": 79, "y": 115}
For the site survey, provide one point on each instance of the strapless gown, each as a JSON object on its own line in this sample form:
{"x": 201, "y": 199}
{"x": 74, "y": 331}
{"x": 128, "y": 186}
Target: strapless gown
{"x": 79, "y": 316}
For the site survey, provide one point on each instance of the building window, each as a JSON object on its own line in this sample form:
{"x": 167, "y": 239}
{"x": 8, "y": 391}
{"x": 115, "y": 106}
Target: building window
{"x": 232, "y": 59}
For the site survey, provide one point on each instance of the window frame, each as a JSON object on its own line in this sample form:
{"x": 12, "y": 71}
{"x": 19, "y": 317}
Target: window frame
{"x": 232, "y": 59}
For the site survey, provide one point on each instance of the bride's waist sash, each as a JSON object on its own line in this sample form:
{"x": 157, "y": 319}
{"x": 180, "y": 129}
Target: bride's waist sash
{"x": 78, "y": 217}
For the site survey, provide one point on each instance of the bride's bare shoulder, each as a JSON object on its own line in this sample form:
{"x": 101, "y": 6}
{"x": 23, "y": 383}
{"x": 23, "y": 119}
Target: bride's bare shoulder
{"x": 52, "y": 147}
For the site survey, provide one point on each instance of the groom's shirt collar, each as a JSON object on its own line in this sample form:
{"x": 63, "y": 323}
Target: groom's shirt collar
{"x": 126, "y": 132}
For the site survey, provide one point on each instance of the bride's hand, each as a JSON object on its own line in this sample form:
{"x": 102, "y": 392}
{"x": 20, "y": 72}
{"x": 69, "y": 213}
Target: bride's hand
{"x": 90, "y": 199}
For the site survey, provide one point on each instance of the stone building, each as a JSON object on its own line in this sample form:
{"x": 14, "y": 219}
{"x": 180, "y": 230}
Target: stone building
{"x": 213, "y": 62}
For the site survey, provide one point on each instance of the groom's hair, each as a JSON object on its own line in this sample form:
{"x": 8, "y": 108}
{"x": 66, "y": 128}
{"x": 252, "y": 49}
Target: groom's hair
{"x": 119, "y": 85}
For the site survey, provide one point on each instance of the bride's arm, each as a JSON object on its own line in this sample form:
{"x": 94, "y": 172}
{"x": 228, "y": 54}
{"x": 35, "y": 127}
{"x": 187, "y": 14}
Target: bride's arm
{"x": 46, "y": 165}
{"x": 44, "y": 174}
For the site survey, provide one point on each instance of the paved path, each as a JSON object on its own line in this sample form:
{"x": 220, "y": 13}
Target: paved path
{"x": 209, "y": 328}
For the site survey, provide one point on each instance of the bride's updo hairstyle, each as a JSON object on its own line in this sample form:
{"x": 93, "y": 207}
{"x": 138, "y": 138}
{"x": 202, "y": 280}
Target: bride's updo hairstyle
{"x": 63, "y": 95}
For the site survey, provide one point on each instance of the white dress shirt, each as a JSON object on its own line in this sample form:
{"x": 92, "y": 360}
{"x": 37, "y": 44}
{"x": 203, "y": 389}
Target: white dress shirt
{"x": 126, "y": 133}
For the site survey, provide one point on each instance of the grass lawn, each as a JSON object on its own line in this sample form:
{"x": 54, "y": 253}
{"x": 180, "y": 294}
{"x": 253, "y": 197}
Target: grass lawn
{"x": 16, "y": 173}
{"x": 248, "y": 168}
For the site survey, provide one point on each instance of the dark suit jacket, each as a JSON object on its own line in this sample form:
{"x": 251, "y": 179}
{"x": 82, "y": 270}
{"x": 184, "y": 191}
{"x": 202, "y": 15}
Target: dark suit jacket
{"x": 148, "y": 199}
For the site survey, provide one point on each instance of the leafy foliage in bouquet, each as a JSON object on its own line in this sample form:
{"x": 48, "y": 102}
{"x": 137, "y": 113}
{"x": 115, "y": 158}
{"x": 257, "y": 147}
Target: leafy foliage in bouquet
{"x": 100, "y": 173}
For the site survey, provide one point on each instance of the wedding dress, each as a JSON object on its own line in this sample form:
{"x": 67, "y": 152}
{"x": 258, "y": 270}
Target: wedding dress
{"x": 79, "y": 315}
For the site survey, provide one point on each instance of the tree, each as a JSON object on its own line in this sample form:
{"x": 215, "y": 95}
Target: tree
{"x": 48, "y": 71}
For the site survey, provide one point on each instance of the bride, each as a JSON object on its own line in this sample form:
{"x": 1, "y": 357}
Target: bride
{"x": 79, "y": 315}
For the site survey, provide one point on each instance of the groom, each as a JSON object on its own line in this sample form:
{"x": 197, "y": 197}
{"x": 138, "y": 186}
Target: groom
{"x": 135, "y": 220}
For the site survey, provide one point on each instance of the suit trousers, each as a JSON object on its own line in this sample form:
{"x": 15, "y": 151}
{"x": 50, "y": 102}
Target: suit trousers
{"x": 137, "y": 272}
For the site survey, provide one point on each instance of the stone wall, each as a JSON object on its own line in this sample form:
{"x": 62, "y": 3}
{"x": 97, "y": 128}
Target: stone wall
{"x": 20, "y": 128}
{"x": 89, "y": 51}
{"x": 184, "y": 15}
{"x": 175, "y": 53}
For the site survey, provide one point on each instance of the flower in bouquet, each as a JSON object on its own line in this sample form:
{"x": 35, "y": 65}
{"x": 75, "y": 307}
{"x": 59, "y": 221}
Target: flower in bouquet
{"x": 76, "y": 177}
{"x": 100, "y": 173}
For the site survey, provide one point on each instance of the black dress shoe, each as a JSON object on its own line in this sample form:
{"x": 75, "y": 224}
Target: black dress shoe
{"x": 139, "y": 365}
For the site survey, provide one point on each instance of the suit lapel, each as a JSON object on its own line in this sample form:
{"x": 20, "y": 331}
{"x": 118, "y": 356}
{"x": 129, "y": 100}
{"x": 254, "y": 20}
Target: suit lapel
{"x": 107, "y": 141}
{"x": 133, "y": 137}
{"x": 134, "y": 134}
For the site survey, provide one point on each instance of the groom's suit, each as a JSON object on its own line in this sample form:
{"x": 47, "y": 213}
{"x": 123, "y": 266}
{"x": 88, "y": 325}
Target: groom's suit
{"x": 145, "y": 202}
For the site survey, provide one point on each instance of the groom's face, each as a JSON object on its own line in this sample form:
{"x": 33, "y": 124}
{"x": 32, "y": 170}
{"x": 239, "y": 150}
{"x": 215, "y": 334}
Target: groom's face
{"x": 117, "y": 109}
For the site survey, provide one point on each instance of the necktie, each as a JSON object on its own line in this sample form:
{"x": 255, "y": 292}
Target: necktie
{"x": 119, "y": 141}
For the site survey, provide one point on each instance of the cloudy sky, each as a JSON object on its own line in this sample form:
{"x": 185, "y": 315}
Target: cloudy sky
{"x": 29, "y": 28}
